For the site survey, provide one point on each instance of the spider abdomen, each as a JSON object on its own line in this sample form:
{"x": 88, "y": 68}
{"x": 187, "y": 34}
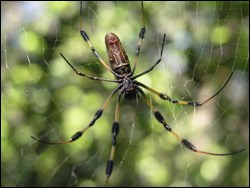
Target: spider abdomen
{"x": 118, "y": 58}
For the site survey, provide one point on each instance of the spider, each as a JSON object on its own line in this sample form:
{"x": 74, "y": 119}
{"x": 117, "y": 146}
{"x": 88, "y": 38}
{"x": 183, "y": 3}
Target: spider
{"x": 130, "y": 89}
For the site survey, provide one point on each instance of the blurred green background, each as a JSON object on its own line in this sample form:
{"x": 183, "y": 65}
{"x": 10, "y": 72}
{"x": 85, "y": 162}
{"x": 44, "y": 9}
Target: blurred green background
{"x": 43, "y": 97}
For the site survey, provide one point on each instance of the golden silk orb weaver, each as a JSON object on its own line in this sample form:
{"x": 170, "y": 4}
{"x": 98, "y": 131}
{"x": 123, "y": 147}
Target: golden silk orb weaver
{"x": 127, "y": 86}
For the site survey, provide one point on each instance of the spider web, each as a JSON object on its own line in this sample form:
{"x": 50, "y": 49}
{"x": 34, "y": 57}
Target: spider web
{"x": 42, "y": 96}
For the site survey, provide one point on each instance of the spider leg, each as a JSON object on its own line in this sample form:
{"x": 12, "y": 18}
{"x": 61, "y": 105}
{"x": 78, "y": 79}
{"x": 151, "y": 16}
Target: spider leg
{"x": 141, "y": 36}
{"x": 78, "y": 134}
{"x": 90, "y": 77}
{"x": 86, "y": 38}
{"x": 156, "y": 63}
{"x": 115, "y": 131}
{"x": 190, "y": 103}
{"x": 183, "y": 141}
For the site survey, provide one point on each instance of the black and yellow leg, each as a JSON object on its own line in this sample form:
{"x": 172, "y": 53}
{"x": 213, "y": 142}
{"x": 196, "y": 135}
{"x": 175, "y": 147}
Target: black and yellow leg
{"x": 184, "y": 141}
{"x": 115, "y": 131}
{"x": 190, "y": 103}
{"x": 86, "y": 38}
{"x": 141, "y": 36}
{"x": 155, "y": 64}
{"x": 90, "y": 77}
{"x": 78, "y": 134}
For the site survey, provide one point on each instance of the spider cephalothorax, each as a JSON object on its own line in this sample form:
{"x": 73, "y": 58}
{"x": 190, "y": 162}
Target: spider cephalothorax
{"x": 130, "y": 90}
